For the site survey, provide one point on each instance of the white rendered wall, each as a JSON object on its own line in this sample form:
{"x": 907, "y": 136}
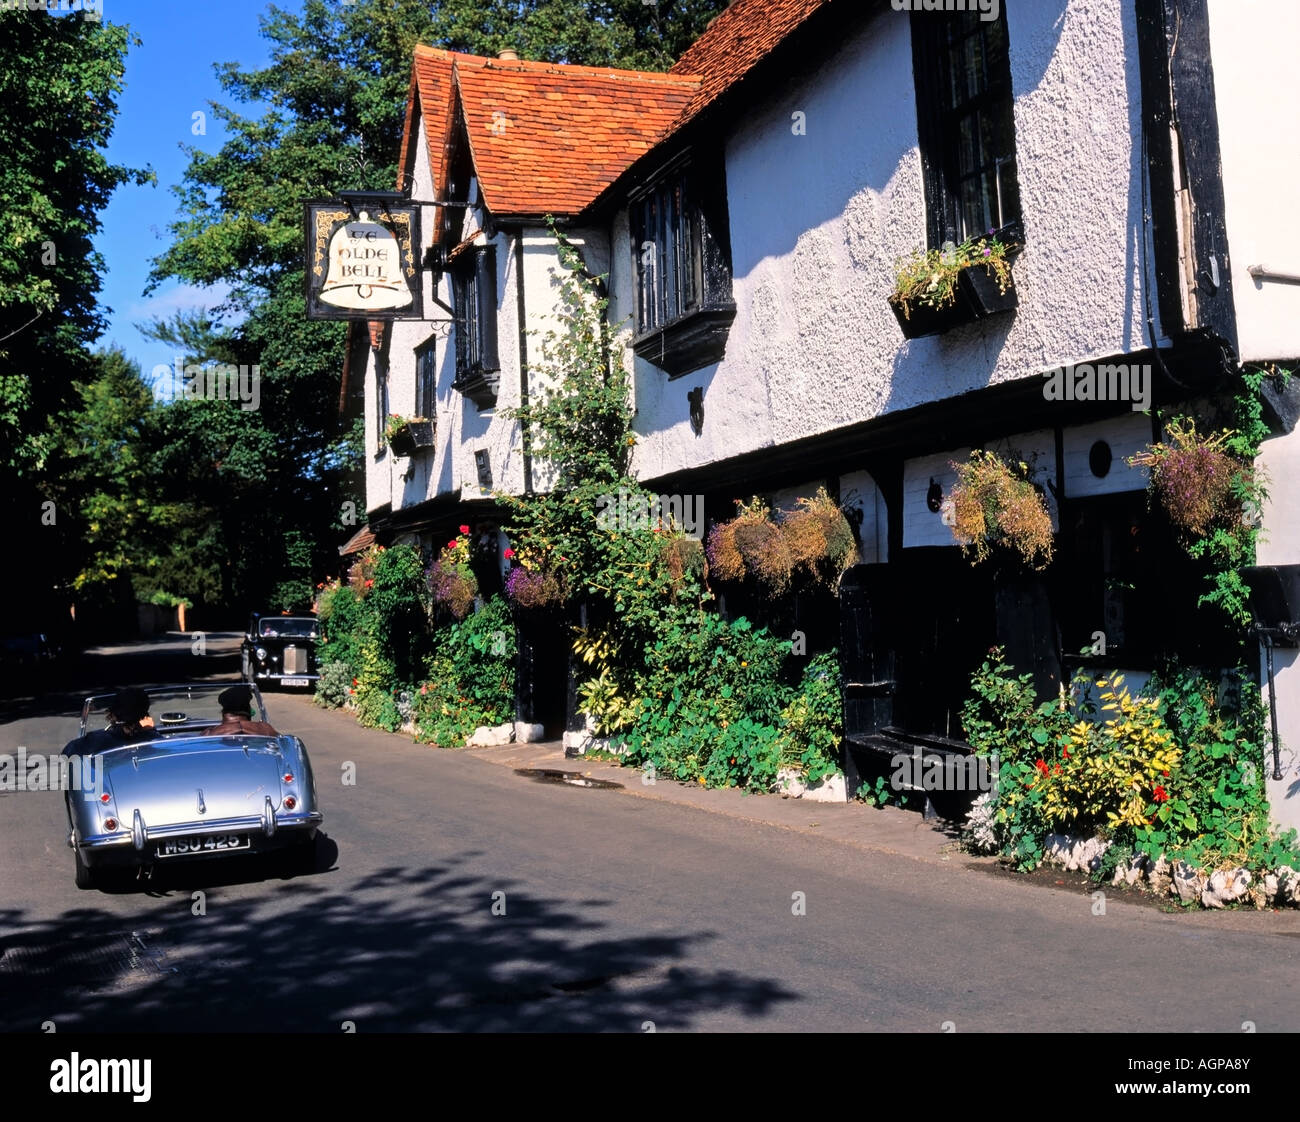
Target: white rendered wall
{"x": 1253, "y": 47}
{"x": 817, "y": 221}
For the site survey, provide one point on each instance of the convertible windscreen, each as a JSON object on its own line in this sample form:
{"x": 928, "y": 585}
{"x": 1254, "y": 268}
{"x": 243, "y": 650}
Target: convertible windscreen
{"x": 174, "y": 709}
{"x": 287, "y": 627}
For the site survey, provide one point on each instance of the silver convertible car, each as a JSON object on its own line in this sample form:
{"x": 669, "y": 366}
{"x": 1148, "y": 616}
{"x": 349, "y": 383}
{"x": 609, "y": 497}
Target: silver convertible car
{"x": 188, "y": 794}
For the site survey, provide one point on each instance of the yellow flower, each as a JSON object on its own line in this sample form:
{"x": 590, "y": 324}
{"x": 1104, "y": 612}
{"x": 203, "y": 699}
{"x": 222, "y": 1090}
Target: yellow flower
{"x": 701, "y": 781}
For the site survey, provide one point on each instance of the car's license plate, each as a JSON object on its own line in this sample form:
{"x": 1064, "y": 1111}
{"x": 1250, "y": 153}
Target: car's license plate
{"x": 295, "y": 681}
{"x": 201, "y": 843}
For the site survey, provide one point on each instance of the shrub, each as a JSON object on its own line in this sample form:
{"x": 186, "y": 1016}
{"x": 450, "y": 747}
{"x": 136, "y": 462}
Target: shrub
{"x": 709, "y": 683}
{"x": 993, "y": 505}
{"x": 334, "y": 685}
{"x": 812, "y": 723}
{"x": 341, "y": 613}
{"x": 470, "y": 677}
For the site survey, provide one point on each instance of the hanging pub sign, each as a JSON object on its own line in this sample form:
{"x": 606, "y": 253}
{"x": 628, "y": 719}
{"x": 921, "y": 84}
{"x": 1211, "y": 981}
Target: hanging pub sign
{"x": 361, "y": 258}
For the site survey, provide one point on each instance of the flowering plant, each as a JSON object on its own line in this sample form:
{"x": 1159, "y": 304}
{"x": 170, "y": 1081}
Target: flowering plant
{"x": 992, "y": 504}
{"x": 929, "y": 278}
{"x": 451, "y": 580}
{"x": 361, "y": 575}
{"x": 1201, "y": 486}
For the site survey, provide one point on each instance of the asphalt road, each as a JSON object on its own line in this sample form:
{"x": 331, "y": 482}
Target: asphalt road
{"x": 620, "y": 915}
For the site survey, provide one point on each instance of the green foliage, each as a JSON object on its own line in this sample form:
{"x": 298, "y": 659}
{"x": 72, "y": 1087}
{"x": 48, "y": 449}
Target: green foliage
{"x": 812, "y": 723}
{"x": 1177, "y": 771}
{"x": 334, "y": 686}
{"x": 1217, "y": 811}
{"x": 340, "y": 612}
{"x": 711, "y": 699}
{"x": 470, "y": 677}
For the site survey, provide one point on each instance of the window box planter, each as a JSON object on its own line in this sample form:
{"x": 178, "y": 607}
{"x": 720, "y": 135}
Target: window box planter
{"x": 979, "y": 286}
{"x": 977, "y": 297}
{"x": 411, "y": 437}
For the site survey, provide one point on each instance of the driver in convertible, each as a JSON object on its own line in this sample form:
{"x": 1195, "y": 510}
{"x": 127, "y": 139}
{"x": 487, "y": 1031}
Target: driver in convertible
{"x": 128, "y": 723}
{"x": 237, "y": 715}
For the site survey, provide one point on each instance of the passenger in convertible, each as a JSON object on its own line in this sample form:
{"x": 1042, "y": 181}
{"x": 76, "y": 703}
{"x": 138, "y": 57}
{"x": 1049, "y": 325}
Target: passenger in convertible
{"x": 237, "y": 715}
{"x": 128, "y": 723}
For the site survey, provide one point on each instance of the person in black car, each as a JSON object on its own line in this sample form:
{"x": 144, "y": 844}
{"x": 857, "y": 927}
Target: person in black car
{"x": 128, "y": 723}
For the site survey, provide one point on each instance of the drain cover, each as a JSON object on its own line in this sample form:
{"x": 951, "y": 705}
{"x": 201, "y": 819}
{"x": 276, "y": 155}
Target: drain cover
{"x": 570, "y": 778}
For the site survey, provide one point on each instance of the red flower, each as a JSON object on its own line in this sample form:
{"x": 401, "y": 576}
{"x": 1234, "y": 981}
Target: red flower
{"x": 464, "y": 529}
{"x": 452, "y": 544}
{"x": 1165, "y": 774}
{"x": 354, "y": 681}
{"x": 509, "y": 554}
{"x": 1159, "y": 795}
{"x": 1041, "y": 765}
{"x": 1056, "y": 769}
{"x": 1065, "y": 752}
{"x": 369, "y": 583}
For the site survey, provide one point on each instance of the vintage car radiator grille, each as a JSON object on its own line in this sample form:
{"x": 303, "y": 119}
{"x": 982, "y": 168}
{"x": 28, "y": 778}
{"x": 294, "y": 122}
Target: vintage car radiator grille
{"x": 295, "y": 660}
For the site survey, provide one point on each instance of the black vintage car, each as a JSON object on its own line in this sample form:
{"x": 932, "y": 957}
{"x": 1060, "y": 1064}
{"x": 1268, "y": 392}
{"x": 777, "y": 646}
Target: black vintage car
{"x": 280, "y": 649}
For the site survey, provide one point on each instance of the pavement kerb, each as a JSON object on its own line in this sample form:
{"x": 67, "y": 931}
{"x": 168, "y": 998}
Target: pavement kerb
{"x": 882, "y": 829}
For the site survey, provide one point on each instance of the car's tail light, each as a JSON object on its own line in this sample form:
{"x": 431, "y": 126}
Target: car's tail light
{"x": 288, "y": 777}
{"x": 110, "y": 824}
{"x": 290, "y": 802}
{"x": 105, "y": 797}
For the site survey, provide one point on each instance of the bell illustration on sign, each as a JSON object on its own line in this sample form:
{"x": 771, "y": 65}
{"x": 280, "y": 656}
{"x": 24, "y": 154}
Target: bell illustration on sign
{"x": 365, "y": 268}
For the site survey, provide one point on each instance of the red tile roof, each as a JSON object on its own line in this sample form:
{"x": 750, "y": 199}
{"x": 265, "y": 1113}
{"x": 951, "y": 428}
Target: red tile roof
{"x": 735, "y": 42}
{"x": 548, "y": 138}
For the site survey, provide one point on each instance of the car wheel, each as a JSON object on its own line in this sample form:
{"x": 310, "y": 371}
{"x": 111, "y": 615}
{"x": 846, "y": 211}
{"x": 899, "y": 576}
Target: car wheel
{"x": 86, "y": 876}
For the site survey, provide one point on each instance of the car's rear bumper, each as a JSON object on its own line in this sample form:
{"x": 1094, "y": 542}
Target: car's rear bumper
{"x": 267, "y": 676}
{"x": 139, "y": 845}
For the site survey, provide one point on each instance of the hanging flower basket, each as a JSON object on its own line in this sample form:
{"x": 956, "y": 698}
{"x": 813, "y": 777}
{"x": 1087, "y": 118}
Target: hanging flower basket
{"x": 820, "y": 539}
{"x": 994, "y": 506}
{"x": 451, "y": 580}
{"x": 1199, "y": 485}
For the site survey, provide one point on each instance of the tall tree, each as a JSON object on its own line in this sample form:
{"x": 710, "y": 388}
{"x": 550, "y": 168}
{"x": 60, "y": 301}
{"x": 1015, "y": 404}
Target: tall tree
{"x": 59, "y": 83}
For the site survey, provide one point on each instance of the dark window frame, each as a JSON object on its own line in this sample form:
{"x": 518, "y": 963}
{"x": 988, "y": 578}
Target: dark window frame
{"x": 938, "y": 42}
{"x": 426, "y": 379}
{"x": 681, "y": 265}
{"x": 474, "y": 300}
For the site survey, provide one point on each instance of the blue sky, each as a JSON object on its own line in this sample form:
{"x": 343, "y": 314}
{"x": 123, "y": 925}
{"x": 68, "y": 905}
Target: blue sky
{"x": 168, "y": 78}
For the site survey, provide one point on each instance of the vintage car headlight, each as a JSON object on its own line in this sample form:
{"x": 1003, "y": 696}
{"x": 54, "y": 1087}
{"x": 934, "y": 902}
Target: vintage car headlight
{"x": 260, "y": 652}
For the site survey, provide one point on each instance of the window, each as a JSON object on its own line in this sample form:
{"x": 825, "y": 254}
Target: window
{"x": 682, "y": 265}
{"x": 474, "y": 293}
{"x": 966, "y": 124}
{"x": 426, "y": 380}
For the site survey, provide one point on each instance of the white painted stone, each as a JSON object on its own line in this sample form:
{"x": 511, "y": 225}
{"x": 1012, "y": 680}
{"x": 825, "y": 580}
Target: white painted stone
{"x": 1188, "y": 882}
{"x": 831, "y": 789}
{"x": 789, "y": 782}
{"x": 526, "y": 733}
{"x": 1225, "y": 887}
{"x": 489, "y": 736}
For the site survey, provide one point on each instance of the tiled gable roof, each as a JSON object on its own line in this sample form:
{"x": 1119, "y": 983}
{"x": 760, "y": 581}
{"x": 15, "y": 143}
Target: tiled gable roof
{"x": 737, "y": 40}
{"x": 548, "y": 138}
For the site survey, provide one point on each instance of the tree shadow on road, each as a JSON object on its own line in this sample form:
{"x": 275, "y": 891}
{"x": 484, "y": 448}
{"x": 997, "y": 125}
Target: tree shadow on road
{"x": 429, "y": 954}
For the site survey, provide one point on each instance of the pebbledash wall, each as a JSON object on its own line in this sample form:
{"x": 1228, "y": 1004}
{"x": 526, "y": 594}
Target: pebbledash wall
{"x": 817, "y": 221}
{"x": 1259, "y": 130}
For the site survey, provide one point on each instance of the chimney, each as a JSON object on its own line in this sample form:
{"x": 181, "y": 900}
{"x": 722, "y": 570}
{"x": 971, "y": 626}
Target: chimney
{"x": 508, "y": 55}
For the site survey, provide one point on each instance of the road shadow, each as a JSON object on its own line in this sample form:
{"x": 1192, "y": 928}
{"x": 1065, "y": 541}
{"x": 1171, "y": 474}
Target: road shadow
{"x": 405, "y": 949}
